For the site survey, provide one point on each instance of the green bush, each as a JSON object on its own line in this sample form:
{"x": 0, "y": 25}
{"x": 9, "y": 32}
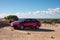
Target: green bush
{"x": 12, "y": 18}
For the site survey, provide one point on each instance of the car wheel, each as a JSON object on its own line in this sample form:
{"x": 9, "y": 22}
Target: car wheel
{"x": 37, "y": 27}
{"x": 22, "y": 27}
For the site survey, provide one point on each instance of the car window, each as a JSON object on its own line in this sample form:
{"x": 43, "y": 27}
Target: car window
{"x": 31, "y": 20}
{"x": 21, "y": 20}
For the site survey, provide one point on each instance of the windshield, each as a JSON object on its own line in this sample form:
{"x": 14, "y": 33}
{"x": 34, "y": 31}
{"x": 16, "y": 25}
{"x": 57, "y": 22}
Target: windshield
{"x": 21, "y": 20}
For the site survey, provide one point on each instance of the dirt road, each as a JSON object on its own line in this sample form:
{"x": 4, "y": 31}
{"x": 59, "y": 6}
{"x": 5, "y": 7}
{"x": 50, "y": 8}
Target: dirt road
{"x": 46, "y": 32}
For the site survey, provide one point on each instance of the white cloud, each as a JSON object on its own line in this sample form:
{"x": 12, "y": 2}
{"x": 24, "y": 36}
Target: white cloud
{"x": 49, "y": 13}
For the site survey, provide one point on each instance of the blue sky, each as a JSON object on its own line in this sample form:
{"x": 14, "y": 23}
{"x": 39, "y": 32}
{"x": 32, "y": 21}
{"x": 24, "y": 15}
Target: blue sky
{"x": 29, "y": 6}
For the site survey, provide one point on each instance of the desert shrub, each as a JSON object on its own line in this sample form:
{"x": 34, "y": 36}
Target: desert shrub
{"x": 12, "y": 18}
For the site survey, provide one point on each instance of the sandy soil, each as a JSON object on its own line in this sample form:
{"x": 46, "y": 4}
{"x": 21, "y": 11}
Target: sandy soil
{"x": 46, "y": 32}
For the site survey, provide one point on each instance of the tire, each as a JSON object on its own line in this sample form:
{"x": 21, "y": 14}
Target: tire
{"x": 37, "y": 27}
{"x": 22, "y": 27}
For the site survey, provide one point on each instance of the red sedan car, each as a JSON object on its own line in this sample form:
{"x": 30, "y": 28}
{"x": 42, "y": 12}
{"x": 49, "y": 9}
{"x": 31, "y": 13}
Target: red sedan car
{"x": 27, "y": 23}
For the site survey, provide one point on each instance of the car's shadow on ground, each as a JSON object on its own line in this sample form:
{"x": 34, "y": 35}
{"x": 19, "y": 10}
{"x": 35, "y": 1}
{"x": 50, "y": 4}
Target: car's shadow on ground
{"x": 40, "y": 30}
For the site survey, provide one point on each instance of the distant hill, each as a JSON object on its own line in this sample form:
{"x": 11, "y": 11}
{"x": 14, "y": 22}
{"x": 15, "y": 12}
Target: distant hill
{"x": 50, "y": 20}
